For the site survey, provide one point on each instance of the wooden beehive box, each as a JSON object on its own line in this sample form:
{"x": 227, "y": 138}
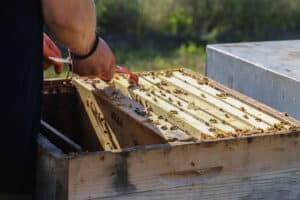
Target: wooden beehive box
{"x": 177, "y": 135}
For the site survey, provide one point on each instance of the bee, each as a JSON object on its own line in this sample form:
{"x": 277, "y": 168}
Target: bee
{"x": 177, "y": 91}
{"x": 221, "y": 95}
{"x": 261, "y": 130}
{"x": 173, "y": 112}
{"x": 169, "y": 73}
{"x": 170, "y": 99}
{"x": 191, "y": 106}
{"x": 174, "y": 128}
{"x": 205, "y": 78}
{"x": 149, "y": 120}
{"x": 212, "y": 129}
{"x": 213, "y": 121}
{"x": 226, "y": 115}
{"x": 221, "y": 135}
{"x": 210, "y": 84}
{"x": 160, "y": 117}
{"x": 203, "y": 95}
{"x": 200, "y": 82}
{"x": 243, "y": 109}
{"x": 238, "y": 130}
{"x": 140, "y": 112}
{"x": 164, "y": 127}
{"x": 246, "y": 116}
{"x": 164, "y": 83}
{"x": 258, "y": 119}
{"x": 154, "y": 99}
{"x": 179, "y": 103}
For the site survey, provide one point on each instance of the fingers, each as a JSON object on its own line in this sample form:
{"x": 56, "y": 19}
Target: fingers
{"x": 51, "y": 50}
{"x": 100, "y": 64}
{"x": 49, "y": 44}
{"x": 58, "y": 67}
{"x": 111, "y": 69}
{"x": 46, "y": 64}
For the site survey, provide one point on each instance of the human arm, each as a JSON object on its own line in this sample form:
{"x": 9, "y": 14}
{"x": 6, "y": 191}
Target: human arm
{"x": 73, "y": 23}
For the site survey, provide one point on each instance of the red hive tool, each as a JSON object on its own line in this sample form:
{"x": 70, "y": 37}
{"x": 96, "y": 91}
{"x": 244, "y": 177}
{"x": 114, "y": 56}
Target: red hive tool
{"x": 133, "y": 78}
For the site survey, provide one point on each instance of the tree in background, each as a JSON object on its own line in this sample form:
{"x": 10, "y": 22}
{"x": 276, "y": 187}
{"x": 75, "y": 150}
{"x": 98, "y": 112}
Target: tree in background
{"x": 212, "y": 20}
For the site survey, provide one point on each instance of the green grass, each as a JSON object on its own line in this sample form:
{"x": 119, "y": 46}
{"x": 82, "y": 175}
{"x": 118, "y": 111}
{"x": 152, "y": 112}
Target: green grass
{"x": 189, "y": 56}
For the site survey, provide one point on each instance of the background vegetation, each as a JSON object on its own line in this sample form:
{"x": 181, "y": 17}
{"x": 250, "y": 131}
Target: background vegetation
{"x": 154, "y": 34}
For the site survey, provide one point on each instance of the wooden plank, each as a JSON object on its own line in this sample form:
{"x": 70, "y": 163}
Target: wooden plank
{"x": 199, "y": 83}
{"x": 184, "y": 121}
{"x": 220, "y": 104}
{"x": 183, "y": 106}
{"x": 169, "y": 132}
{"x": 227, "y": 169}
{"x": 283, "y": 117}
{"x": 105, "y": 136}
{"x": 201, "y": 104}
{"x": 127, "y": 120}
{"x": 256, "y": 167}
{"x": 199, "y": 101}
{"x": 52, "y": 172}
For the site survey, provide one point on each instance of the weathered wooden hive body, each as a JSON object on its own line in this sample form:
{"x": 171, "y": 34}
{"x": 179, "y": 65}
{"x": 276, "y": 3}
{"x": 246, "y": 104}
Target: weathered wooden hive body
{"x": 176, "y": 135}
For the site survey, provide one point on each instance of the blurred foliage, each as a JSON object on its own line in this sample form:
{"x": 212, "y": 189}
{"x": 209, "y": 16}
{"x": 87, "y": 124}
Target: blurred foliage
{"x": 154, "y": 34}
{"x": 188, "y": 55}
{"x": 211, "y": 20}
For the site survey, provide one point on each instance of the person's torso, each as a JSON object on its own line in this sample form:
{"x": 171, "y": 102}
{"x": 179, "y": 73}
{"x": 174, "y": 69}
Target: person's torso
{"x": 20, "y": 84}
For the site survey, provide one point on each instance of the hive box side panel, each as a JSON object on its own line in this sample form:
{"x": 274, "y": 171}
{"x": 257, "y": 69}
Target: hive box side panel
{"x": 52, "y": 172}
{"x": 265, "y": 167}
{"x": 259, "y": 81}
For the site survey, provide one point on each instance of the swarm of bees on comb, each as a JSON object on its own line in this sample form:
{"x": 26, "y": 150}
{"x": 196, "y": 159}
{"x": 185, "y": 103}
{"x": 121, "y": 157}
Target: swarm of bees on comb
{"x": 180, "y": 102}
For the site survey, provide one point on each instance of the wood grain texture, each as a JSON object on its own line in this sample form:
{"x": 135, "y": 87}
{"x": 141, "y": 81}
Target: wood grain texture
{"x": 52, "y": 172}
{"x": 202, "y": 108}
{"x": 246, "y": 168}
{"x": 95, "y": 117}
{"x": 255, "y": 167}
{"x": 118, "y": 120}
{"x": 250, "y": 101}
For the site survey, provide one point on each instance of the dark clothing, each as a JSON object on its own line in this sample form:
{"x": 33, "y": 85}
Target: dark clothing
{"x": 20, "y": 87}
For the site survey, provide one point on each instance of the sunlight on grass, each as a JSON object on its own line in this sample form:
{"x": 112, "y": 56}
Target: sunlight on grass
{"x": 187, "y": 55}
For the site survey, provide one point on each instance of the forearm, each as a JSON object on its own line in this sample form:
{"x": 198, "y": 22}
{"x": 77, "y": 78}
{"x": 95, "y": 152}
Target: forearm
{"x": 71, "y": 22}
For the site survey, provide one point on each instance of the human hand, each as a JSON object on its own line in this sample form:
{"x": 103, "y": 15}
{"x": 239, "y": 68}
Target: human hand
{"x": 51, "y": 50}
{"x": 100, "y": 64}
